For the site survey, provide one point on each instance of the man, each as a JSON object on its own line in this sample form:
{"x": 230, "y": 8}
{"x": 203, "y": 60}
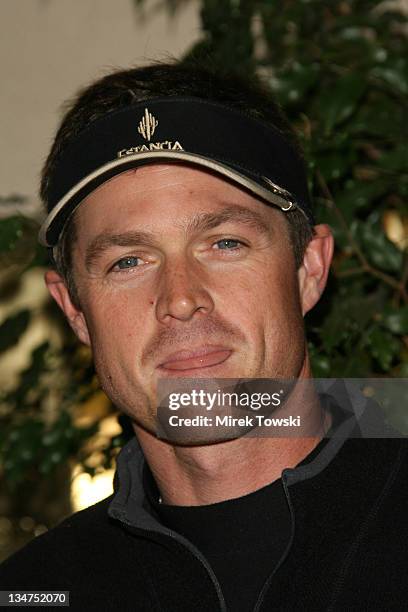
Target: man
{"x": 185, "y": 248}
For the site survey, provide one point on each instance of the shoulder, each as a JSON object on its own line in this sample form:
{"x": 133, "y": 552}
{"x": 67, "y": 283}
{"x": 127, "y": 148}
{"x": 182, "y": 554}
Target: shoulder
{"x": 59, "y": 552}
{"x": 379, "y": 459}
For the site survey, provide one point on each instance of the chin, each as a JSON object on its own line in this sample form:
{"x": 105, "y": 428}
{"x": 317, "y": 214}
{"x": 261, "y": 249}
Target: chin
{"x": 204, "y": 436}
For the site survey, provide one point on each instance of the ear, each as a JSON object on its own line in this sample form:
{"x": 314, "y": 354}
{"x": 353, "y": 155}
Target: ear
{"x": 59, "y": 292}
{"x": 314, "y": 270}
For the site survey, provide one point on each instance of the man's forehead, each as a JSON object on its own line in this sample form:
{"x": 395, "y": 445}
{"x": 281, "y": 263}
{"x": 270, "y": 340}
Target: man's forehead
{"x": 191, "y": 197}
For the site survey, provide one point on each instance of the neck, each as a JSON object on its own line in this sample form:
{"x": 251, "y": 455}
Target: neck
{"x": 207, "y": 474}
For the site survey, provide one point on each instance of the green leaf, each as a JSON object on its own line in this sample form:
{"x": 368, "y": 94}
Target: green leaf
{"x": 384, "y": 347}
{"x": 291, "y": 85}
{"x": 320, "y": 366}
{"x": 13, "y": 328}
{"x": 395, "y": 160}
{"x": 380, "y": 251}
{"x": 356, "y": 365}
{"x": 11, "y": 230}
{"x": 320, "y": 362}
{"x": 358, "y": 195}
{"x": 18, "y": 242}
{"x": 340, "y": 99}
{"x": 395, "y": 74}
{"x": 30, "y": 377}
{"x": 334, "y": 164}
{"x": 396, "y": 320}
{"x": 380, "y": 117}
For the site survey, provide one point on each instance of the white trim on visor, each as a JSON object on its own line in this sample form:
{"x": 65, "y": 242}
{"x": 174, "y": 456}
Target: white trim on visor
{"x": 276, "y": 195}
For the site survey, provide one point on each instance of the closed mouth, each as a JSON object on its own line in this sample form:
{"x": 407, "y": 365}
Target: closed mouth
{"x": 204, "y": 357}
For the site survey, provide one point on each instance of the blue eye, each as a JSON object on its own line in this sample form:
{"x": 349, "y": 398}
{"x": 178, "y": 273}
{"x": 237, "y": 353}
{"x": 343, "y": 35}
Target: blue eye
{"x": 127, "y": 262}
{"x": 228, "y": 243}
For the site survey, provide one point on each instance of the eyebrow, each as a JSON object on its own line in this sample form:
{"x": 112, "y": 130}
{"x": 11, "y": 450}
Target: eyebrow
{"x": 200, "y": 223}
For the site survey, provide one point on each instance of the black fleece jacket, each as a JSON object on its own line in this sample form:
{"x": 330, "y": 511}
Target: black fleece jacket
{"x": 348, "y": 548}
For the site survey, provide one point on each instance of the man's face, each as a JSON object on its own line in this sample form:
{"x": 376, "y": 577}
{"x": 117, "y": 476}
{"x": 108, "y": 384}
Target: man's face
{"x": 171, "y": 258}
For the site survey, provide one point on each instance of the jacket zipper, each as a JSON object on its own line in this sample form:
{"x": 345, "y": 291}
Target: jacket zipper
{"x": 268, "y": 581}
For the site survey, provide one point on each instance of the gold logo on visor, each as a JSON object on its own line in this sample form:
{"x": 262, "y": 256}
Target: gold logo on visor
{"x": 146, "y": 128}
{"x": 147, "y": 125}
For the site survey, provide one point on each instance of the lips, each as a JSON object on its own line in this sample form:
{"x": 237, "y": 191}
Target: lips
{"x": 203, "y": 357}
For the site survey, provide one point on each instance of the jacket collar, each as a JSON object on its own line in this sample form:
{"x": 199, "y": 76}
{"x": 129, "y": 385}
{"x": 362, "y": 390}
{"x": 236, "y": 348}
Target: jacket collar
{"x": 130, "y": 503}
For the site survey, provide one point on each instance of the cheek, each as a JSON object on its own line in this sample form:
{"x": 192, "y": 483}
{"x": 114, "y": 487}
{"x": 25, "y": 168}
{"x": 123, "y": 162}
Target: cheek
{"x": 267, "y": 307}
{"x": 116, "y": 332}
{"x": 116, "y": 307}
{"x": 262, "y": 290}
{"x": 114, "y": 323}
{"x": 249, "y": 300}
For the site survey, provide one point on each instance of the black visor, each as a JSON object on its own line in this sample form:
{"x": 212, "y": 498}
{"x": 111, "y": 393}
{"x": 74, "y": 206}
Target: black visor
{"x": 186, "y": 130}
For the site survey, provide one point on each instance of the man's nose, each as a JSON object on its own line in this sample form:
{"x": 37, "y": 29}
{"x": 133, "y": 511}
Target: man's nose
{"x": 182, "y": 292}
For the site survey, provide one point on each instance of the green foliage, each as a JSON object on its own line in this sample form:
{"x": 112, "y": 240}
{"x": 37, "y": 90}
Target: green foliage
{"x": 35, "y": 436}
{"x": 12, "y": 329}
{"x": 340, "y": 71}
{"x": 18, "y": 244}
